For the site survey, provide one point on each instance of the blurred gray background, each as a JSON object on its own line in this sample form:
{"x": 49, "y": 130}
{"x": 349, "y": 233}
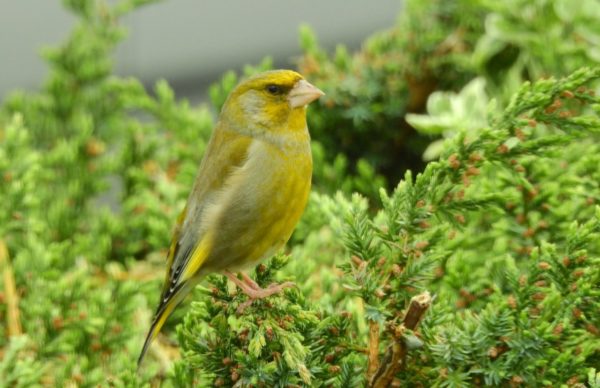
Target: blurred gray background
{"x": 188, "y": 42}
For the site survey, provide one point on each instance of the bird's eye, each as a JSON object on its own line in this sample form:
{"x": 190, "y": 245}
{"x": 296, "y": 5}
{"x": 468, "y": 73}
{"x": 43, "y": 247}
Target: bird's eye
{"x": 274, "y": 89}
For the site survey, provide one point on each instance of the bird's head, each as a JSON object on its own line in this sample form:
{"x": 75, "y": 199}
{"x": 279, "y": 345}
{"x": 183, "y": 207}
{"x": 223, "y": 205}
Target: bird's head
{"x": 270, "y": 100}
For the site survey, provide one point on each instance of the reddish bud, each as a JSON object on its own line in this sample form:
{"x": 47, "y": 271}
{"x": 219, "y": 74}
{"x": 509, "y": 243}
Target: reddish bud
{"x": 573, "y": 287}
{"x": 592, "y": 329}
{"x": 58, "y": 323}
{"x": 512, "y": 302}
{"x": 466, "y": 181}
{"x": 453, "y": 161}
{"x": 77, "y": 377}
{"x": 493, "y": 352}
{"x": 269, "y": 333}
{"x": 538, "y": 296}
{"x": 95, "y": 346}
{"x": 544, "y": 265}
{"x": 421, "y": 244}
{"x": 558, "y": 329}
{"x": 529, "y": 232}
{"x": 461, "y": 303}
{"x": 522, "y": 280}
{"x": 578, "y": 273}
{"x": 243, "y": 336}
{"x": 472, "y": 171}
{"x": 533, "y": 193}
{"x": 502, "y": 149}
{"x": 565, "y": 114}
{"x": 552, "y": 108}
{"x": 94, "y": 147}
{"x": 475, "y": 157}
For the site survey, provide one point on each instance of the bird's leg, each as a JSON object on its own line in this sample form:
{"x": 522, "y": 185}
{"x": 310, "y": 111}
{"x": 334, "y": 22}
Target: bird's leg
{"x": 253, "y": 290}
{"x": 251, "y": 283}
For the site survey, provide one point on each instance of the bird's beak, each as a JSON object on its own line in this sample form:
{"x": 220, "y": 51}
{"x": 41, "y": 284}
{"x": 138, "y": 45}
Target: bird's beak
{"x": 303, "y": 93}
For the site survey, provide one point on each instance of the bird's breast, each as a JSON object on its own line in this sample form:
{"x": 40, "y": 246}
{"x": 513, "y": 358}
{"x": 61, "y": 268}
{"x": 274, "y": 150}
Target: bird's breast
{"x": 283, "y": 181}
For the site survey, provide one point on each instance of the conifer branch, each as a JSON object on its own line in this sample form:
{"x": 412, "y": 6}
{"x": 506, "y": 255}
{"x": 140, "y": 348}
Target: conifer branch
{"x": 395, "y": 355}
{"x": 13, "y": 320}
{"x": 373, "y": 349}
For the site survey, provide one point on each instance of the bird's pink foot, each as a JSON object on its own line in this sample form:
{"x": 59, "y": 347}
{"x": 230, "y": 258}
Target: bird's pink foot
{"x": 253, "y": 290}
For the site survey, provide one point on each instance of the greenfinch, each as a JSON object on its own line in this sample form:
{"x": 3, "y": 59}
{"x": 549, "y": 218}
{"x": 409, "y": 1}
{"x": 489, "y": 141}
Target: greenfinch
{"x": 251, "y": 189}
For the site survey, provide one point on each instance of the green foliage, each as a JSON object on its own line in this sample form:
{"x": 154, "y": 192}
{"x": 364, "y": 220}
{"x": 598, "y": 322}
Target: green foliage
{"x": 437, "y": 45}
{"x": 93, "y": 170}
{"x": 277, "y": 342}
{"x": 502, "y": 225}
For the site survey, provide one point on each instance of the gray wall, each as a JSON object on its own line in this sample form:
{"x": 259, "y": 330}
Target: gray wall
{"x": 189, "y": 42}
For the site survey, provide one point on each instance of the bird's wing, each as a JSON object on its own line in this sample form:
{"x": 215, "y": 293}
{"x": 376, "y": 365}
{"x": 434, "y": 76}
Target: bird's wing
{"x": 190, "y": 246}
{"x": 225, "y": 154}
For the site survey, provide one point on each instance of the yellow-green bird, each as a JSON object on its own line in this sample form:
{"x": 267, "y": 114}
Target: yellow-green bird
{"x": 251, "y": 189}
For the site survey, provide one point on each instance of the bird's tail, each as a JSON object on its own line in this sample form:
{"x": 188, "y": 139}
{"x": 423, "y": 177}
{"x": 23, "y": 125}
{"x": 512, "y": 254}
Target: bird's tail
{"x": 167, "y": 304}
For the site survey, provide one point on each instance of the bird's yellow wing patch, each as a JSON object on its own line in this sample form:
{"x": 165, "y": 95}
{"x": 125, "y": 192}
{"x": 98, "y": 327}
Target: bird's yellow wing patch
{"x": 198, "y": 257}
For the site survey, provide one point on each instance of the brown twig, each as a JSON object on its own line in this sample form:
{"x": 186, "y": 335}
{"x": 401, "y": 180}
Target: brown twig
{"x": 395, "y": 355}
{"x": 13, "y": 322}
{"x": 373, "y": 349}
